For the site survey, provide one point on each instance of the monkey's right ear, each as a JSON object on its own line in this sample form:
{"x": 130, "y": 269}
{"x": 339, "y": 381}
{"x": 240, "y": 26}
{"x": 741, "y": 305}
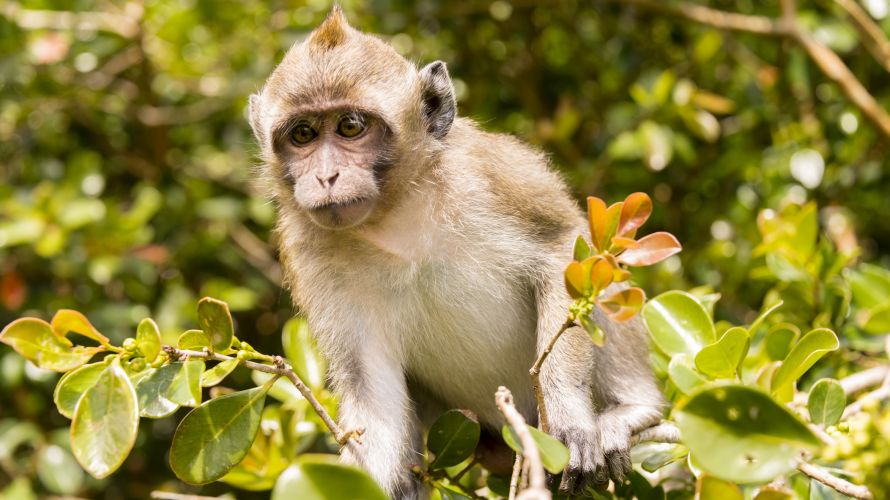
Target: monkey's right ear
{"x": 439, "y": 105}
{"x": 253, "y": 116}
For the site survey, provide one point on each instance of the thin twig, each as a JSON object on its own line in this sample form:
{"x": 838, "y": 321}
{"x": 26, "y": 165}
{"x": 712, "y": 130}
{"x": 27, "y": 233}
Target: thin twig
{"x": 535, "y": 373}
{"x": 347, "y": 437}
{"x": 514, "y": 478}
{"x": 871, "y": 34}
{"x": 787, "y": 27}
{"x": 537, "y": 487}
{"x": 842, "y": 486}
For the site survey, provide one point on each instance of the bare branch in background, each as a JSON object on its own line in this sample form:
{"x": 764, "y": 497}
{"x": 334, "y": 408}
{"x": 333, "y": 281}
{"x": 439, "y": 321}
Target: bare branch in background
{"x": 531, "y": 457}
{"x": 125, "y": 25}
{"x": 871, "y": 35}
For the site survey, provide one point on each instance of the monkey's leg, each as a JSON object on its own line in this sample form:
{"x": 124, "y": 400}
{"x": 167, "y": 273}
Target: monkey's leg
{"x": 566, "y": 383}
{"x": 373, "y": 395}
{"x": 626, "y": 393}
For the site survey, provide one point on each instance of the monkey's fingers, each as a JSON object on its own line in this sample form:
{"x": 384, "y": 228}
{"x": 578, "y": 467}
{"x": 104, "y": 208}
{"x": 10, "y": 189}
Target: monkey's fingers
{"x": 619, "y": 464}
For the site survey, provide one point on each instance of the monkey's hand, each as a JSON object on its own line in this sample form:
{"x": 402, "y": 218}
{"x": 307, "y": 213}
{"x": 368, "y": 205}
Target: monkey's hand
{"x": 597, "y": 452}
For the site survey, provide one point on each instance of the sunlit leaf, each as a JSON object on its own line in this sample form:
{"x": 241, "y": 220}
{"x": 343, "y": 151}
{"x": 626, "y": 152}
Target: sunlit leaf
{"x": 779, "y": 340}
{"x": 74, "y": 384}
{"x": 682, "y": 373}
{"x": 105, "y": 422}
{"x": 452, "y": 438}
{"x": 321, "y": 477}
{"x": 151, "y": 391}
{"x": 581, "y": 249}
{"x": 711, "y": 488}
{"x": 622, "y": 243}
{"x": 67, "y": 320}
{"x": 762, "y": 317}
{"x": 265, "y": 460}
{"x": 577, "y": 280}
{"x": 185, "y": 388}
{"x": 653, "y": 248}
{"x": 870, "y": 285}
{"x": 636, "y": 210}
{"x": 193, "y": 340}
{"x": 723, "y": 358}
{"x": 826, "y": 402}
{"x": 302, "y": 353}
{"x": 148, "y": 339}
{"x": 804, "y": 355}
{"x": 662, "y": 458}
{"x": 596, "y": 217}
{"x": 216, "y": 320}
{"x": 624, "y": 304}
{"x": 219, "y": 372}
{"x": 678, "y": 323}
{"x": 875, "y": 321}
{"x": 35, "y": 340}
{"x": 758, "y": 438}
{"x": 596, "y": 334}
{"x": 554, "y": 455}
{"x": 600, "y": 276}
{"x": 215, "y": 436}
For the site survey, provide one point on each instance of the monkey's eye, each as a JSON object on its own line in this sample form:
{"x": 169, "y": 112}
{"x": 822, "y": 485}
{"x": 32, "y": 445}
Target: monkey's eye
{"x": 303, "y": 133}
{"x": 350, "y": 126}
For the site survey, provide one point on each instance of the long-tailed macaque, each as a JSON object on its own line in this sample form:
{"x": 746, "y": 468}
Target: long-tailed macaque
{"x": 428, "y": 256}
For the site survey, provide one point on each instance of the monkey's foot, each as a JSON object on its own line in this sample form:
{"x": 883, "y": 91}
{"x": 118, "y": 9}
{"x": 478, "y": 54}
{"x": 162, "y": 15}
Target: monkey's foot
{"x": 596, "y": 455}
{"x": 346, "y": 435}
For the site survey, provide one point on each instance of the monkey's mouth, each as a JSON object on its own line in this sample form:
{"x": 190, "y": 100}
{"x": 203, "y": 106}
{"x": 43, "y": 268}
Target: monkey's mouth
{"x": 341, "y": 214}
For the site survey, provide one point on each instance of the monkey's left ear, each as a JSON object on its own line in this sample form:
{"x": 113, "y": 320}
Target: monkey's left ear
{"x": 439, "y": 105}
{"x": 253, "y": 116}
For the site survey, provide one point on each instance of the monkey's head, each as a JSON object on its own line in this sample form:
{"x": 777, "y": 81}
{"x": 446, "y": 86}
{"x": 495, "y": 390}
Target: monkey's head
{"x": 345, "y": 122}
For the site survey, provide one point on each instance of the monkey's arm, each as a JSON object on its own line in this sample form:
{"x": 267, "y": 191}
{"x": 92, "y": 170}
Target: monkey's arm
{"x": 373, "y": 395}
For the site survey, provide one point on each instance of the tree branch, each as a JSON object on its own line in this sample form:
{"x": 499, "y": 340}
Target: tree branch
{"x": 870, "y": 33}
{"x": 344, "y": 437}
{"x": 842, "y": 486}
{"x": 535, "y": 373}
{"x": 537, "y": 487}
{"x": 825, "y": 59}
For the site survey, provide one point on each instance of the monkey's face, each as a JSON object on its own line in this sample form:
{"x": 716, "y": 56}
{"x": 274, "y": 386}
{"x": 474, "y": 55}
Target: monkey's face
{"x": 332, "y": 158}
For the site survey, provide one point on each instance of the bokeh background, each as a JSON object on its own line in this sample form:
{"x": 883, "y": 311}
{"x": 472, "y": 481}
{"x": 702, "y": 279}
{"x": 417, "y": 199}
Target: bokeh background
{"x": 126, "y": 163}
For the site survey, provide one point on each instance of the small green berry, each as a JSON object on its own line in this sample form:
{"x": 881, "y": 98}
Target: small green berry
{"x": 130, "y": 345}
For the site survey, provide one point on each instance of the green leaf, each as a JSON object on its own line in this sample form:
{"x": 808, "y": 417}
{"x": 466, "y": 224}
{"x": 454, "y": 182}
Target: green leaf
{"x": 282, "y": 389}
{"x": 215, "y": 319}
{"x": 760, "y": 319}
{"x": 683, "y": 374}
{"x": 554, "y": 454}
{"x": 215, "y": 436}
{"x": 581, "y": 250}
{"x": 870, "y": 285}
{"x": 804, "y": 355}
{"x": 876, "y": 320}
{"x": 151, "y": 390}
{"x": 712, "y": 488}
{"x": 758, "y": 438}
{"x": 265, "y": 460}
{"x": 67, "y": 320}
{"x": 35, "y": 340}
{"x": 185, "y": 388}
{"x": 74, "y": 384}
{"x": 58, "y": 470}
{"x": 597, "y": 335}
{"x": 219, "y": 372}
{"x": 452, "y": 438}
{"x": 826, "y": 402}
{"x": 678, "y": 323}
{"x": 320, "y": 477}
{"x": 148, "y": 339}
{"x": 301, "y": 352}
{"x": 105, "y": 422}
{"x": 194, "y": 340}
{"x": 723, "y": 358}
{"x": 779, "y": 340}
{"x": 665, "y": 457}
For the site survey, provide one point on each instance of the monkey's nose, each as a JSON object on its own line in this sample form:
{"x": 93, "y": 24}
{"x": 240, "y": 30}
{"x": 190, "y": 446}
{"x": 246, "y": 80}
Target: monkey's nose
{"x": 327, "y": 180}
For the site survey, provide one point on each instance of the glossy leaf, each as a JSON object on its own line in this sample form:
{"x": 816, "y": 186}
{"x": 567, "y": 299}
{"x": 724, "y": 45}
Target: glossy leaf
{"x": 762, "y": 317}
{"x": 67, "y": 320}
{"x": 723, "y": 358}
{"x": 711, "y": 488}
{"x": 623, "y": 243}
{"x": 321, "y": 477}
{"x": 74, "y": 384}
{"x": 870, "y": 285}
{"x": 596, "y": 217}
{"x": 35, "y": 340}
{"x": 624, "y": 304}
{"x": 194, "y": 340}
{"x": 826, "y": 402}
{"x": 683, "y": 374}
{"x": 596, "y": 334}
{"x": 663, "y": 458}
{"x": 577, "y": 280}
{"x": 581, "y": 249}
{"x": 601, "y": 274}
{"x": 779, "y": 340}
{"x": 653, "y": 248}
{"x": 301, "y": 352}
{"x": 758, "y": 438}
{"x": 554, "y": 454}
{"x": 216, "y": 320}
{"x": 636, "y": 210}
{"x": 218, "y": 373}
{"x": 875, "y": 321}
{"x": 105, "y": 422}
{"x": 678, "y": 323}
{"x": 214, "y": 437}
{"x": 804, "y": 355}
{"x": 265, "y": 460}
{"x": 185, "y": 388}
{"x": 452, "y": 438}
{"x": 148, "y": 339}
{"x": 151, "y": 391}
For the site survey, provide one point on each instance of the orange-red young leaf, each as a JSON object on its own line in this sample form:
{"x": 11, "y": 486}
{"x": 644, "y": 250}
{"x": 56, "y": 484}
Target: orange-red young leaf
{"x": 601, "y": 276}
{"x": 636, "y": 210}
{"x": 621, "y": 275}
{"x": 613, "y": 216}
{"x": 653, "y": 248}
{"x": 577, "y": 280}
{"x": 623, "y": 243}
{"x": 623, "y": 305}
{"x": 596, "y": 216}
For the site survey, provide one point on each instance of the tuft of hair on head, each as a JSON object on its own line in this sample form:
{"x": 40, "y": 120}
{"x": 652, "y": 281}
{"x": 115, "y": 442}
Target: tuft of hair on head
{"x": 331, "y": 32}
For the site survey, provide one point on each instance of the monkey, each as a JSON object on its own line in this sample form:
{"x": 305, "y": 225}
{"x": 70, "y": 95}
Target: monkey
{"x": 428, "y": 255}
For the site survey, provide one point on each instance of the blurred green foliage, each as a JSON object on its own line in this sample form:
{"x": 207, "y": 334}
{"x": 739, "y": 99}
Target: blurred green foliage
{"x": 126, "y": 164}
